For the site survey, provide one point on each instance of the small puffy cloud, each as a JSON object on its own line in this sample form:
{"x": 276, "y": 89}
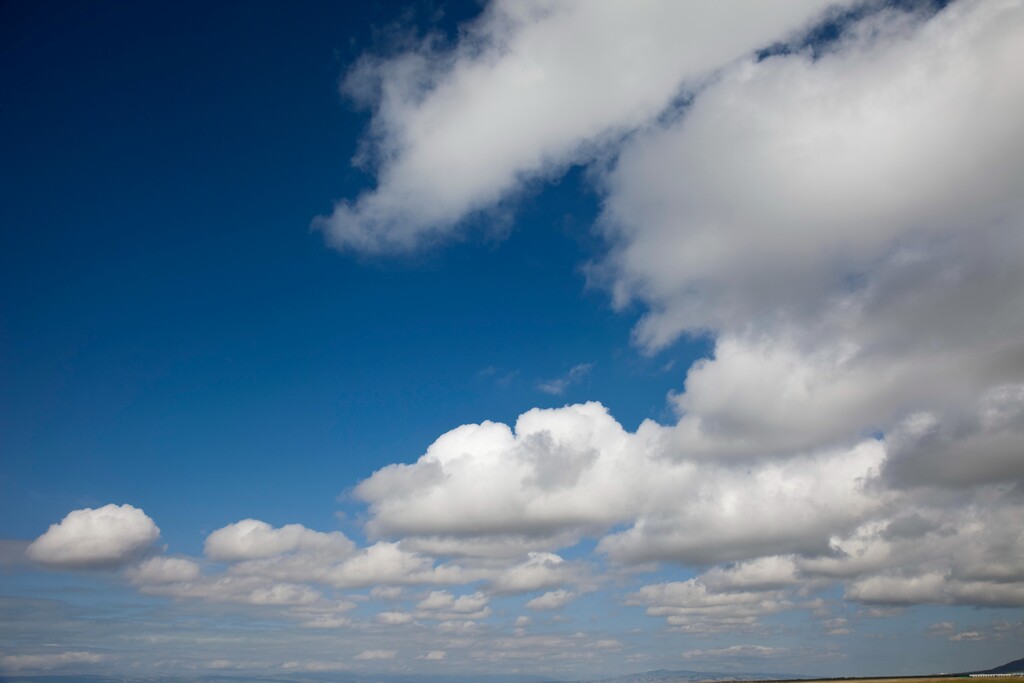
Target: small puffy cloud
{"x": 394, "y": 618}
{"x": 445, "y": 601}
{"x": 444, "y": 606}
{"x": 325, "y": 621}
{"x": 252, "y": 539}
{"x": 102, "y": 538}
{"x": 967, "y": 635}
{"x": 538, "y": 571}
{"x": 164, "y": 570}
{"x": 389, "y": 563}
{"x": 375, "y": 655}
{"x": 434, "y": 656}
{"x": 551, "y": 600}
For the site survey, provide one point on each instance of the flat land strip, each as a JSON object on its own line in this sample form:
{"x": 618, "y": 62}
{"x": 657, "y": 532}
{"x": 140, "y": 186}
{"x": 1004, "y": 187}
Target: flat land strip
{"x": 923, "y": 679}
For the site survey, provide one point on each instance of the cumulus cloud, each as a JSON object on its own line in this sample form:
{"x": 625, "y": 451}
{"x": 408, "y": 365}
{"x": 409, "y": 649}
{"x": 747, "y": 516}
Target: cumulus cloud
{"x": 102, "y": 538}
{"x": 764, "y": 573}
{"x": 445, "y": 601}
{"x": 538, "y": 571}
{"x": 577, "y": 468}
{"x": 529, "y": 89}
{"x": 551, "y": 600}
{"x": 845, "y": 293}
{"x": 164, "y": 570}
{"x": 252, "y": 539}
{"x": 294, "y": 553}
{"x": 394, "y": 618}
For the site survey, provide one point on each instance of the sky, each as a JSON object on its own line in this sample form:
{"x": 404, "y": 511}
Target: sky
{"x": 570, "y": 338}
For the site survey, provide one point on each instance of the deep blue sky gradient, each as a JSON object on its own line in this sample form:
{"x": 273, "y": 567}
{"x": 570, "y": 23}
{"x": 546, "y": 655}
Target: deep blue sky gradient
{"x": 174, "y": 334}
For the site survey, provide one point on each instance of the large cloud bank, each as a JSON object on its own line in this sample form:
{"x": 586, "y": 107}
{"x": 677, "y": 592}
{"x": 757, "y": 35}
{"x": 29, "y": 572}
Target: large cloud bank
{"x": 530, "y": 88}
{"x": 847, "y": 223}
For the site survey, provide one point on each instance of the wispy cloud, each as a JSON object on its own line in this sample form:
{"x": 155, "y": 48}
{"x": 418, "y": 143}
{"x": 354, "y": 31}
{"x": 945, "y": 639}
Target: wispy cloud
{"x": 557, "y": 386}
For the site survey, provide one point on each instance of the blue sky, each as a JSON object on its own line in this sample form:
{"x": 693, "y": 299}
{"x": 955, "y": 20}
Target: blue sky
{"x": 549, "y": 338}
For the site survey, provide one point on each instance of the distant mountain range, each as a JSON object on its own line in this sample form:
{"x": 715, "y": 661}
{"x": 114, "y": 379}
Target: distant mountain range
{"x": 1013, "y": 667}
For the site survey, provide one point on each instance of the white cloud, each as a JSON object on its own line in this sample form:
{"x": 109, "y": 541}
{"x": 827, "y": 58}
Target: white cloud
{"x": 576, "y": 468}
{"x": 325, "y": 621}
{"x": 164, "y": 570}
{"x": 252, "y": 539}
{"x": 538, "y": 571}
{"x": 967, "y": 635}
{"x": 765, "y": 573}
{"x": 380, "y": 563}
{"x": 49, "y": 661}
{"x": 446, "y": 602}
{"x": 444, "y": 606}
{"x": 314, "y": 665}
{"x": 551, "y": 600}
{"x": 375, "y": 655}
{"x": 394, "y": 618}
{"x": 101, "y": 538}
{"x": 848, "y": 227}
{"x": 530, "y": 88}
{"x": 692, "y": 606}
{"x": 768, "y": 195}
{"x": 323, "y": 614}
{"x": 435, "y": 656}
{"x": 248, "y": 590}
{"x": 558, "y": 386}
